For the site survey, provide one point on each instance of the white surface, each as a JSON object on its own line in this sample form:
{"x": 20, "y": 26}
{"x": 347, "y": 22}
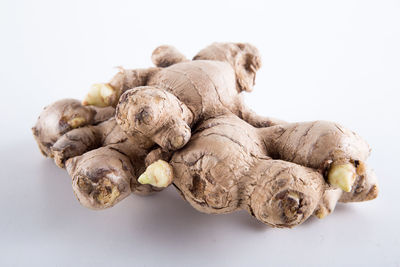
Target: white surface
{"x": 336, "y": 61}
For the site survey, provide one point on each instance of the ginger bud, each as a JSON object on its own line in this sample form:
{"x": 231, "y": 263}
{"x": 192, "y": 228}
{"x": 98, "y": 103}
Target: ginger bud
{"x": 76, "y": 122}
{"x": 342, "y": 176}
{"x": 100, "y": 95}
{"x": 158, "y": 174}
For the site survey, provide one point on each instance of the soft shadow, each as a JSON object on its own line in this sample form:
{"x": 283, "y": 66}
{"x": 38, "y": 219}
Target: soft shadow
{"x": 37, "y": 194}
{"x": 161, "y": 217}
{"x": 164, "y": 213}
{"x": 168, "y": 214}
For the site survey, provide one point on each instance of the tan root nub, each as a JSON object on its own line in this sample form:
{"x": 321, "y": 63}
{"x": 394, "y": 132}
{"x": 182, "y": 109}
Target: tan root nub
{"x": 328, "y": 202}
{"x": 342, "y": 176}
{"x": 158, "y": 174}
{"x": 61, "y": 117}
{"x": 166, "y": 55}
{"x": 100, "y": 95}
{"x": 159, "y": 115}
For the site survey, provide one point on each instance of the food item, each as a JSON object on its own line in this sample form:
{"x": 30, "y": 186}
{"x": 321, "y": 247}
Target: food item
{"x": 186, "y": 92}
{"x": 158, "y": 174}
{"x": 187, "y": 123}
{"x": 177, "y": 97}
{"x": 102, "y": 160}
{"x": 284, "y": 188}
{"x": 63, "y": 116}
{"x": 276, "y": 173}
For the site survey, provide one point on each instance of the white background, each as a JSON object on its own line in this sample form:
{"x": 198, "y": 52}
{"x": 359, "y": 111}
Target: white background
{"x": 332, "y": 60}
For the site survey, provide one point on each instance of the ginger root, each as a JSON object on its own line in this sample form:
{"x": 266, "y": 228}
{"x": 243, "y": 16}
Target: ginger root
{"x": 102, "y": 160}
{"x": 185, "y": 122}
{"x": 229, "y": 165}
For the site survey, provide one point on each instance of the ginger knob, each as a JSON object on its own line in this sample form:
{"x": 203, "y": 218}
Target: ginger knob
{"x": 158, "y": 174}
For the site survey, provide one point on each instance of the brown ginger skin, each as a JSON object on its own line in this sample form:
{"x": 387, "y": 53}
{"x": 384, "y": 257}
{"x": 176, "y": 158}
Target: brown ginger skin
{"x": 176, "y": 97}
{"x": 102, "y": 160}
{"x": 166, "y": 55}
{"x": 62, "y": 117}
{"x": 297, "y": 159}
{"x": 224, "y": 156}
{"x": 229, "y": 165}
{"x": 190, "y": 91}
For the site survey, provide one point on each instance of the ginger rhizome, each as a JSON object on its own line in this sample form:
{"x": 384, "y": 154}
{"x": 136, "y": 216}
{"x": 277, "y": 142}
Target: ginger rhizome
{"x": 102, "y": 160}
{"x": 276, "y": 173}
{"x": 185, "y": 120}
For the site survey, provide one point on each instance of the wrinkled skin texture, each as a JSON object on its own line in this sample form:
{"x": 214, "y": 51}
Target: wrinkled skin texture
{"x": 102, "y": 160}
{"x": 183, "y": 93}
{"x": 62, "y": 117}
{"x": 224, "y": 156}
{"x": 275, "y": 170}
{"x": 229, "y": 165}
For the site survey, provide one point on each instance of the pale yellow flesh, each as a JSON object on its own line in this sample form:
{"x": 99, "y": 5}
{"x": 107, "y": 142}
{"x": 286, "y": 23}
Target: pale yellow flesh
{"x": 342, "y": 176}
{"x": 109, "y": 198}
{"x": 76, "y": 122}
{"x": 322, "y": 213}
{"x": 157, "y": 174}
{"x": 99, "y": 95}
